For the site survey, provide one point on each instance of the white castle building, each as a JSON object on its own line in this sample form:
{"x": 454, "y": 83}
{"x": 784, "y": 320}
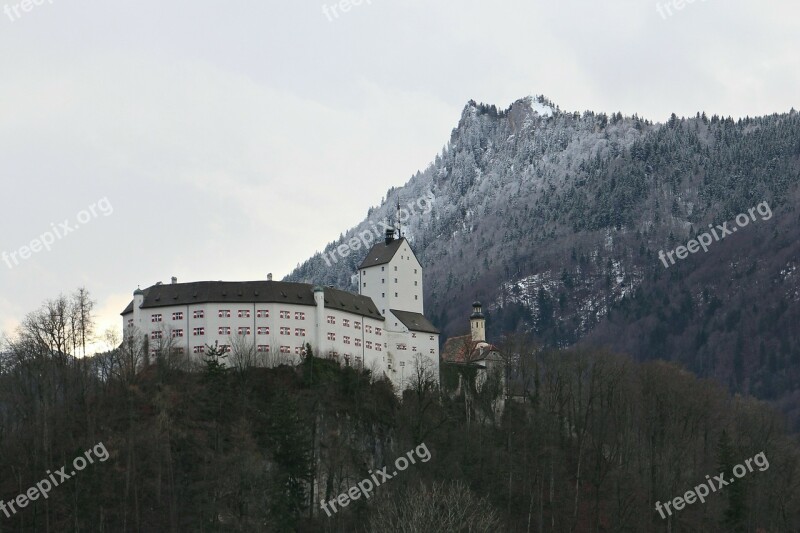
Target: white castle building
{"x": 382, "y": 328}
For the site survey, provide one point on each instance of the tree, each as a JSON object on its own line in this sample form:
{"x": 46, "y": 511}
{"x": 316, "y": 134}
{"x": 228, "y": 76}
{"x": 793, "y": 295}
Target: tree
{"x": 422, "y": 398}
{"x": 243, "y": 353}
{"x": 444, "y": 507}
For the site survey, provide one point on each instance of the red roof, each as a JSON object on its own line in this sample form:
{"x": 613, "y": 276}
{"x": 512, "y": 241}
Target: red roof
{"x": 465, "y": 350}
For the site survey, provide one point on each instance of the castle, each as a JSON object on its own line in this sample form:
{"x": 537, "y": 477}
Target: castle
{"x": 381, "y": 328}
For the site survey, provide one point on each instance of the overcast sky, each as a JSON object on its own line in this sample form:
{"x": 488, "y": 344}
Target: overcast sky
{"x": 233, "y": 139}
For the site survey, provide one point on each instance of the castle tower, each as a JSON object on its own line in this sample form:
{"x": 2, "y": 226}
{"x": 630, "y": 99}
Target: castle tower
{"x": 392, "y": 276}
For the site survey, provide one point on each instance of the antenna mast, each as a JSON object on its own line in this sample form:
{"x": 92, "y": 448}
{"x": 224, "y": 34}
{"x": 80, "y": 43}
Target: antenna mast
{"x": 397, "y": 220}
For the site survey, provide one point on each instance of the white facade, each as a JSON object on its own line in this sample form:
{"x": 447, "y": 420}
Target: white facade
{"x": 270, "y": 327}
{"x": 279, "y": 318}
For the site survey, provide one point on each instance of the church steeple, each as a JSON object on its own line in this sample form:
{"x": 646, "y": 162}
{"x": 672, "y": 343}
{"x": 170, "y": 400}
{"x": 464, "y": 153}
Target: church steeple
{"x": 477, "y": 323}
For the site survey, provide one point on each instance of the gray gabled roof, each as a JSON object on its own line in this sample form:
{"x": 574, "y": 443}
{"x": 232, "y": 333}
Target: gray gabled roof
{"x": 253, "y": 292}
{"x": 381, "y": 253}
{"x": 414, "y": 321}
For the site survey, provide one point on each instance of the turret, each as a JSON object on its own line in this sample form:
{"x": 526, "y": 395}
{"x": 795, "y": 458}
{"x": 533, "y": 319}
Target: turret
{"x": 477, "y": 323}
{"x": 319, "y": 299}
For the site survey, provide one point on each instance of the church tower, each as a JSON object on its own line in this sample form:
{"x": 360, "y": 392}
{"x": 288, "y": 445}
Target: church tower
{"x": 477, "y": 323}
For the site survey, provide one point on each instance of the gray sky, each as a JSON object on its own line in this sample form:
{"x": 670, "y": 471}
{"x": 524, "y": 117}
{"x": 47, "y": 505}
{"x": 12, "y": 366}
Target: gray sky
{"x": 233, "y": 139}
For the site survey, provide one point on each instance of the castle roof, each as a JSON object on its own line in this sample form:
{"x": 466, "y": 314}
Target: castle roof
{"x": 381, "y": 253}
{"x": 414, "y": 321}
{"x": 241, "y": 292}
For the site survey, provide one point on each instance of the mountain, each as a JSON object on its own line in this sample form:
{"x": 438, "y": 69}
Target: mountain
{"x": 555, "y": 221}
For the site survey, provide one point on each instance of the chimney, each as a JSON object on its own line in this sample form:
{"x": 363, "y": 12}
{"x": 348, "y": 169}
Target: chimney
{"x": 389, "y": 236}
{"x": 174, "y": 280}
{"x": 477, "y": 323}
{"x": 269, "y": 276}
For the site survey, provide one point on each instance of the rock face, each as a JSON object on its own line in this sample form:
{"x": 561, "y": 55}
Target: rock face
{"x": 556, "y": 219}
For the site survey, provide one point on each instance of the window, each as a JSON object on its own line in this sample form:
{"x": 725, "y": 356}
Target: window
{"x": 199, "y": 314}
{"x": 286, "y": 349}
{"x": 331, "y": 319}
{"x": 358, "y": 343}
{"x": 358, "y": 361}
{"x": 378, "y": 332}
{"x": 156, "y": 335}
{"x": 177, "y": 333}
{"x": 244, "y": 313}
{"x": 345, "y": 323}
{"x": 432, "y": 350}
{"x": 299, "y": 332}
{"x": 285, "y": 314}
{"x": 395, "y": 280}
{"x": 262, "y": 313}
{"x": 286, "y": 331}
{"x": 377, "y": 347}
{"x": 346, "y": 339}
{"x": 401, "y": 346}
{"x": 369, "y": 345}
{"x": 365, "y": 283}
{"x": 357, "y": 325}
{"x": 263, "y": 348}
{"x": 395, "y": 268}
{"x": 244, "y": 331}
{"x": 198, "y": 331}
{"x": 178, "y": 350}
{"x": 383, "y": 295}
{"x": 415, "y": 271}
{"x": 395, "y": 295}
{"x": 263, "y": 330}
{"x": 363, "y": 272}
{"x": 177, "y": 316}
{"x": 382, "y": 269}
{"x": 297, "y": 350}
{"x": 413, "y": 335}
{"x": 224, "y": 313}
{"x": 225, "y": 348}
{"x": 299, "y": 316}
{"x": 415, "y": 283}
{"x": 413, "y": 348}
{"x": 155, "y": 318}
{"x": 416, "y": 297}
{"x": 331, "y": 336}
{"x": 368, "y": 328}
{"x": 383, "y": 280}
{"x": 225, "y": 330}
{"x": 130, "y": 322}
{"x": 199, "y": 349}
{"x": 431, "y": 337}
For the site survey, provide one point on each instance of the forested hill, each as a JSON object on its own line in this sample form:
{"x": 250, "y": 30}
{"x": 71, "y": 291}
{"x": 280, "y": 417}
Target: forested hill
{"x": 555, "y": 220}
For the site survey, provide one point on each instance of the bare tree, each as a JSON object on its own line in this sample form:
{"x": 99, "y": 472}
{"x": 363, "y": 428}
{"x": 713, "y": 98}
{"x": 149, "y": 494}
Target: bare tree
{"x": 130, "y": 357}
{"x": 83, "y": 307}
{"x": 423, "y": 397}
{"x": 444, "y": 507}
{"x": 243, "y": 353}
